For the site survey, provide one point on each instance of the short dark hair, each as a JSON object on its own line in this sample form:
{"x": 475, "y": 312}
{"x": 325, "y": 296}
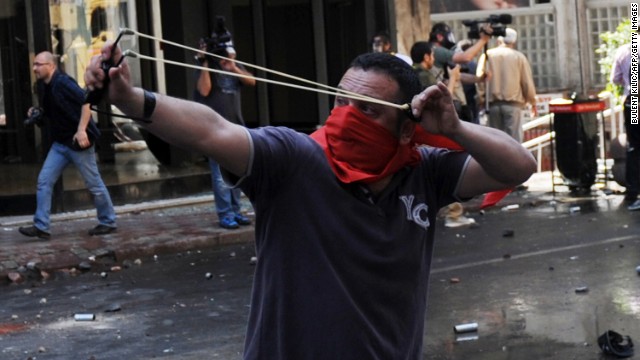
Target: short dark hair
{"x": 419, "y": 50}
{"x": 396, "y": 68}
{"x": 438, "y": 28}
{"x": 383, "y": 35}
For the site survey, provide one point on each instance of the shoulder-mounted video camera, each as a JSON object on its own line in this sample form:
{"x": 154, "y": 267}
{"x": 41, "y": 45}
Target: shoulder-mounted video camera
{"x": 220, "y": 41}
{"x": 498, "y": 24}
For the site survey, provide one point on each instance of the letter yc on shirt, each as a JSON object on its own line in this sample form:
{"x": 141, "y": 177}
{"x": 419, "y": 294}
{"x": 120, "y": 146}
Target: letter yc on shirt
{"x": 418, "y": 213}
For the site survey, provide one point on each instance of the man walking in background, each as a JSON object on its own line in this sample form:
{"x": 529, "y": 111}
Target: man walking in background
{"x": 511, "y": 85}
{"x": 73, "y": 134}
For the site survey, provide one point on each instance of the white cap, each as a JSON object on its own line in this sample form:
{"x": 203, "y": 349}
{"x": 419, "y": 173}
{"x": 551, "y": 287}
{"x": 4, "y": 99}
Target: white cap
{"x": 229, "y": 47}
{"x": 510, "y": 37}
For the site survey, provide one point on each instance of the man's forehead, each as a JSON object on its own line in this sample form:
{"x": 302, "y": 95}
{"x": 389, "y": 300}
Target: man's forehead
{"x": 43, "y": 57}
{"x": 370, "y": 83}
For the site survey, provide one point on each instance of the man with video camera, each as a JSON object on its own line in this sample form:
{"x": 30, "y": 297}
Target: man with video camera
{"x": 221, "y": 92}
{"x": 446, "y": 55}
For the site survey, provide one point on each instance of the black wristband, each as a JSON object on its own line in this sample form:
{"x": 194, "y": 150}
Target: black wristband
{"x": 149, "y": 104}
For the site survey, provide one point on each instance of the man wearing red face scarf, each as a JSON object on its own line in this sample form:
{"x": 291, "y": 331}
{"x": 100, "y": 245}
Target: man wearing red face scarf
{"x": 344, "y": 219}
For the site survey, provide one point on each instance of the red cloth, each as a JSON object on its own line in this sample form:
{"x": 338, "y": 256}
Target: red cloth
{"x": 359, "y": 149}
{"x": 494, "y": 197}
{"x": 346, "y": 139}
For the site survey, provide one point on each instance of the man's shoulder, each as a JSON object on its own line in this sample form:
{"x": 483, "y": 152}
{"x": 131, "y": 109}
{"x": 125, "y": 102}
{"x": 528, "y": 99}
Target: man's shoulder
{"x": 427, "y": 78}
{"x": 404, "y": 57}
{"x": 64, "y": 79}
{"x": 442, "y": 56}
{"x": 497, "y": 50}
{"x": 623, "y": 51}
{"x": 277, "y": 133}
{"x": 439, "y": 50}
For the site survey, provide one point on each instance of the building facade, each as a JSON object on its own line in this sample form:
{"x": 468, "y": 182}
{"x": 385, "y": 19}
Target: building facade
{"x": 559, "y": 37}
{"x": 311, "y": 39}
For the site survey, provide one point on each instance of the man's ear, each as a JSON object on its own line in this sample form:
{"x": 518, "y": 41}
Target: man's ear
{"x": 407, "y": 130}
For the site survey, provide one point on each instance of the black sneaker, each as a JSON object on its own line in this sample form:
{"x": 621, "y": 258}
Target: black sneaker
{"x": 635, "y": 206}
{"x": 102, "y": 230}
{"x": 630, "y": 197}
{"x": 242, "y": 220}
{"x": 32, "y": 231}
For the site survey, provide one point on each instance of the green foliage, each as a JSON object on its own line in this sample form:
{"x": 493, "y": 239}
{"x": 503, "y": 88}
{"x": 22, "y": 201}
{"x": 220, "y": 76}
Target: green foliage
{"x": 611, "y": 41}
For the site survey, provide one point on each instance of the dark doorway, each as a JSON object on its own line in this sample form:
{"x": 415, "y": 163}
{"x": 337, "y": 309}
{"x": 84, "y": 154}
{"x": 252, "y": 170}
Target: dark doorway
{"x": 18, "y": 143}
{"x": 289, "y": 34}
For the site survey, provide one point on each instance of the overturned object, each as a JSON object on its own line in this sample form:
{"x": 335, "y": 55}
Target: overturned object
{"x": 465, "y": 328}
{"x": 613, "y": 343}
{"x": 84, "y": 317}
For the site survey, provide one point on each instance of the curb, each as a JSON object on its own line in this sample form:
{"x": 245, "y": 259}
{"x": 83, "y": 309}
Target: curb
{"x": 123, "y": 209}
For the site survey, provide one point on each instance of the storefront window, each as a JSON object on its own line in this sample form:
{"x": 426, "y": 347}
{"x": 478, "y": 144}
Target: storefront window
{"x": 79, "y": 29}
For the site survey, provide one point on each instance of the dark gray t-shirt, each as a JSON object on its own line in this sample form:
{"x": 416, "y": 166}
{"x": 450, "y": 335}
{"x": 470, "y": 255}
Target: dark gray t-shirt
{"x": 340, "y": 276}
{"x": 225, "y": 96}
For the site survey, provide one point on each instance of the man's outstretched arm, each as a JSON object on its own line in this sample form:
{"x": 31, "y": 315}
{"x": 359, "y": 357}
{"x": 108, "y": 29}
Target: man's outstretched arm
{"x": 183, "y": 123}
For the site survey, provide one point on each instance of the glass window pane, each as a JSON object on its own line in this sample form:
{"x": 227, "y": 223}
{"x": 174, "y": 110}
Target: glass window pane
{"x": 79, "y": 29}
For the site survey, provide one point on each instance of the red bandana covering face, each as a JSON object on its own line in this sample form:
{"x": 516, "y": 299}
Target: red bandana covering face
{"x": 359, "y": 149}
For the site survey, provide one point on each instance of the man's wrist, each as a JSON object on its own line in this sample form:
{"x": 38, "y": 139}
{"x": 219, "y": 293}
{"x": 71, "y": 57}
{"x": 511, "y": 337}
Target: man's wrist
{"x": 149, "y": 105}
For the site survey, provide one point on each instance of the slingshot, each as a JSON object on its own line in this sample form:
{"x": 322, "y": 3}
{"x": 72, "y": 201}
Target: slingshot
{"x": 94, "y": 97}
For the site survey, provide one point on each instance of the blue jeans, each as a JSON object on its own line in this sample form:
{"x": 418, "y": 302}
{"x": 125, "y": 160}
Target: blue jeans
{"x": 58, "y": 158}
{"x": 227, "y": 199}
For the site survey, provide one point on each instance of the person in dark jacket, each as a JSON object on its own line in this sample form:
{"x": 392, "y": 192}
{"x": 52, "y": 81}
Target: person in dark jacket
{"x": 73, "y": 135}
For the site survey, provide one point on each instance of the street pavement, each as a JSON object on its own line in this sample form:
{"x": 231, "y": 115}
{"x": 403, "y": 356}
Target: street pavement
{"x": 169, "y": 226}
{"x": 150, "y": 228}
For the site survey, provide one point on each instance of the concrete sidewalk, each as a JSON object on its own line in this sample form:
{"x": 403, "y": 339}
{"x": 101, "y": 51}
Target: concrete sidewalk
{"x": 158, "y": 227}
{"x": 144, "y": 229}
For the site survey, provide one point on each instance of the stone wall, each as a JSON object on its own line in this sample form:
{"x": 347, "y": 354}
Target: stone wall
{"x": 413, "y": 22}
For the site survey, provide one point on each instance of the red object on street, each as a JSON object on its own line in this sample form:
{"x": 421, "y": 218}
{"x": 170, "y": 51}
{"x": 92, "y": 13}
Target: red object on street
{"x": 494, "y": 197}
{"x": 577, "y": 107}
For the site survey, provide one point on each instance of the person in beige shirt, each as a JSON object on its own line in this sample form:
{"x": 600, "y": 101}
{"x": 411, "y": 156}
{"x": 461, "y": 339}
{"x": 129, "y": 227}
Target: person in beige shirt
{"x": 510, "y": 86}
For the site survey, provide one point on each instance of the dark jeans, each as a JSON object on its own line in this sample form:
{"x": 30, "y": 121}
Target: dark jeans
{"x": 633, "y": 150}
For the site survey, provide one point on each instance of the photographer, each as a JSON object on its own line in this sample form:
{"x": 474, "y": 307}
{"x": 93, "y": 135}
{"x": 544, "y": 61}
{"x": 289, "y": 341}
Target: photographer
{"x": 445, "y": 41}
{"x": 73, "y": 134}
{"x": 446, "y": 55}
{"x": 222, "y": 93}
